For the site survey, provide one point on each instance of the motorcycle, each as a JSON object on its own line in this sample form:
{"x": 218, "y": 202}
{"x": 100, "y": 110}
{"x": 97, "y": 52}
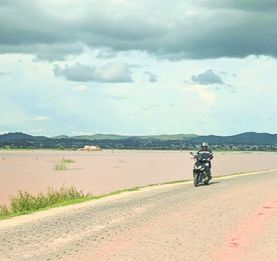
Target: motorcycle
{"x": 200, "y": 175}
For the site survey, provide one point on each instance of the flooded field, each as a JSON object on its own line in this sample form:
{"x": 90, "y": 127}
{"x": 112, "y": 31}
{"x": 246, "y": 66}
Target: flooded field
{"x": 105, "y": 171}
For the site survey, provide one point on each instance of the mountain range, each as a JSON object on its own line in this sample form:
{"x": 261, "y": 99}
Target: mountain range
{"x": 111, "y": 141}
{"x": 247, "y": 138}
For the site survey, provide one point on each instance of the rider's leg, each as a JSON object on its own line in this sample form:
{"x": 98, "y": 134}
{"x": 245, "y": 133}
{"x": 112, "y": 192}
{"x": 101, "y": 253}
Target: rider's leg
{"x": 209, "y": 173}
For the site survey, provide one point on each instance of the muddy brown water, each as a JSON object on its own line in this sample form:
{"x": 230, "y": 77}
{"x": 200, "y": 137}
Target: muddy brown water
{"x": 105, "y": 171}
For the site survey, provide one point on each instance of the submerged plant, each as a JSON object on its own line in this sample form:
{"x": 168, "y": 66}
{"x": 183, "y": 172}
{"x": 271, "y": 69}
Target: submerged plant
{"x": 61, "y": 164}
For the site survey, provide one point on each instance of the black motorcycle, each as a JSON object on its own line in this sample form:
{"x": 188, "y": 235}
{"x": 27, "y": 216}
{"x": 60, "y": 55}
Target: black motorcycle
{"x": 200, "y": 175}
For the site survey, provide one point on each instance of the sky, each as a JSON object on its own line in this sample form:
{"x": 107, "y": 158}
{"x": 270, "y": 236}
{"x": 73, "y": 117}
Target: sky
{"x": 138, "y": 67}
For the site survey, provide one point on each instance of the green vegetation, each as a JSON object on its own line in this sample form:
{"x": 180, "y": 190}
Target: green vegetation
{"x": 68, "y": 161}
{"x": 120, "y": 137}
{"x": 4, "y": 211}
{"x": 100, "y": 137}
{"x": 241, "y": 142}
{"x": 170, "y": 137}
{"x": 61, "y": 164}
{"x": 25, "y": 202}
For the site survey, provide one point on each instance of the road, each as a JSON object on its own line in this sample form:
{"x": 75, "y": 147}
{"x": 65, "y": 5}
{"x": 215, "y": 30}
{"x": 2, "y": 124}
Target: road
{"x": 231, "y": 219}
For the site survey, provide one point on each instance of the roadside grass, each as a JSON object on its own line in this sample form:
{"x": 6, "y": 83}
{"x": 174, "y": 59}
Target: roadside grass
{"x": 25, "y": 203}
{"x": 61, "y": 164}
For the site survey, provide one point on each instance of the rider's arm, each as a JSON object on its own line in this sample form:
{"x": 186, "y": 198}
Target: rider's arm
{"x": 196, "y": 156}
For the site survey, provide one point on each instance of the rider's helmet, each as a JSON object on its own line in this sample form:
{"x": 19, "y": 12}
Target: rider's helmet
{"x": 204, "y": 145}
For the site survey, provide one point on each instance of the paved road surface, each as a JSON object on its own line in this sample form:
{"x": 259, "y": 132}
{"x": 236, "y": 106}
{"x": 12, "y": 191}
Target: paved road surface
{"x": 232, "y": 219}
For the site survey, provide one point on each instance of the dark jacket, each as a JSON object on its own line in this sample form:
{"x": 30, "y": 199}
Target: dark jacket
{"x": 204, "y": 156}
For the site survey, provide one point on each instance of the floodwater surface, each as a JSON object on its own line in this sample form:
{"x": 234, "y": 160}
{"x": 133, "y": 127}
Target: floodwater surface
{"x": 105, "y": 171}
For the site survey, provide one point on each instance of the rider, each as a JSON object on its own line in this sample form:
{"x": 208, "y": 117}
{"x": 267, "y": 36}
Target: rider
{"x": 205, "y": 155}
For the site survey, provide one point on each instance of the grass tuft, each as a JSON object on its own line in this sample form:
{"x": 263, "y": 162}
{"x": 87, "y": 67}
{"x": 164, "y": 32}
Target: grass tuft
{"x": 4, "y": 211}
{"x": 61, "y": 164}
{"x": 25, "y": 202}
{"x": 68, "y": 160}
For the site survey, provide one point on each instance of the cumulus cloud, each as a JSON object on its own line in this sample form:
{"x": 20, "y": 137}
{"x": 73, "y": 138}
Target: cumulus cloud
{"x": 113, "y": 72}
{"x": 105, "y": 53}
{"x": 151, "y": 77}
{"x": 49, "y": 52}
{"x": 207, "y": 77}
{"x": 76, "y": 72}
{"x": 175, "y": 29}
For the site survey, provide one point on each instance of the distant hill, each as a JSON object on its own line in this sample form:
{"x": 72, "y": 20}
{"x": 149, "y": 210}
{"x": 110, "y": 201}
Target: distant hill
{"x": 10, "y": 137}
{"x": 250, "y": 138}
{"x": 120, "y": 137}
{"x": 243, "y": 141}
{"x": 61, "y": 137}
{"x": 169, "y": 137}
{"x": 100, "y": 137}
